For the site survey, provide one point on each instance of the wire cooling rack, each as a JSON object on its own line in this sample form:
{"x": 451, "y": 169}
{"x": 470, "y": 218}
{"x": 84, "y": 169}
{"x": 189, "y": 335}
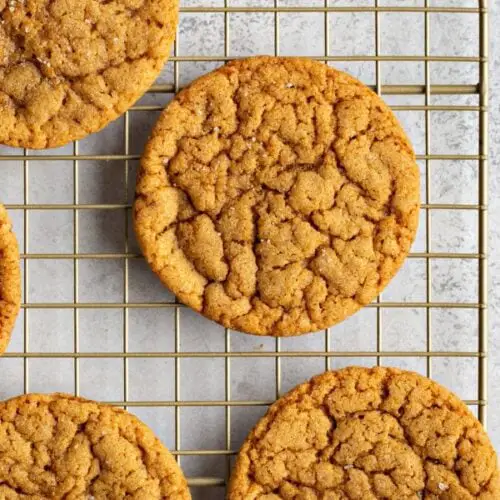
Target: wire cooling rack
{"x": 95, "y": 321}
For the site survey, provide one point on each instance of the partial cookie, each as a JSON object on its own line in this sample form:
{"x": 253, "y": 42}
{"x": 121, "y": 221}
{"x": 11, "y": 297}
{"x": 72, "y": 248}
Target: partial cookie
{"x": 57, "y": 446}
{"x": 277, "y": 196}
{"x": 10, "y": 279}
{"x": 367, "y": 434}
{"x": 69, "y": 67}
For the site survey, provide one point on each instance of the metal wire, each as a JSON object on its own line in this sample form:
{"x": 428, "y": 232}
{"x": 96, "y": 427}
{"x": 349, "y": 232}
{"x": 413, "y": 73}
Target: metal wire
{"x": 76, "y": 239}
{"x": 483, "y": 200}
{"x": 378, "y": 89}
{"x": 277, "y": 363}
{"x": 429, "y": 305}
{"x": 227, "y": 331}
{"x": 177, "y": 318}
{"x": 428, "y": 287}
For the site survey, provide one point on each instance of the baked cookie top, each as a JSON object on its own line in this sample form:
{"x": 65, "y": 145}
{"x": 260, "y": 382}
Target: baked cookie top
{"x": 367, "y": 434}
{"x": 10, "y": 279}
{"x": 57, "y": 446}
{"x": 277, "y": 196}
{"x": 69, "y": 67}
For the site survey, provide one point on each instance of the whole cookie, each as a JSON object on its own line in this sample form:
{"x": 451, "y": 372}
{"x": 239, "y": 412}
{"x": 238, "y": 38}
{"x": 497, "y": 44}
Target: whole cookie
{"x": 69, "y": 67}
{"x": 10, "y": 279}
{"x": 277, "y": 196}
{"x": 57, "y": 446}
{"x": 367, "y": 434}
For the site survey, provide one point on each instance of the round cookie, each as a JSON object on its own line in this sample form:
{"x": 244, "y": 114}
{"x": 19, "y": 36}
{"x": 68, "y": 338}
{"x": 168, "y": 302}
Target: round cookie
{"x": 10, "y": 279}
{"x": 367, "y": 434}
{"x": 58, "y": 446}
{"x": 277, "y": 196}
{"x": 69, "y": 67}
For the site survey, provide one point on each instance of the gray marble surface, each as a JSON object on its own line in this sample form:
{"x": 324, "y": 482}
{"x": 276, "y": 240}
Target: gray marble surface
{"x": 494, "y": 228}
{"x": 153, "y": 329}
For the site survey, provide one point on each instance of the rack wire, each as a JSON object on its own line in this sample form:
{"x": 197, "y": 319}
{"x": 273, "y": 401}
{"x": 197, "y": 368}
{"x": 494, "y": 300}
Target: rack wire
{"x": 212, "y": 484}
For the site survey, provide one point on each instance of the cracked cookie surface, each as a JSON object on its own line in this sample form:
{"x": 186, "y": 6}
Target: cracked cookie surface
{"x": 58, "y": 446}
{"x": 10, "y": 279}
{"x": 69, "y": 67}
{"x": 277, "y": 196}
{"x": 367, "y": 434}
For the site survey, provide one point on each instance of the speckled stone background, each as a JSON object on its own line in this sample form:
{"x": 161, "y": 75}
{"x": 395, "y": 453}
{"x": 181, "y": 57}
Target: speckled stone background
{"x": 494, "y": 226}
{"x": 152, "y": 330}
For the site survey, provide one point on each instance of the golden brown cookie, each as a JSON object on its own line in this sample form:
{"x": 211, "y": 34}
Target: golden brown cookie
{"x": 367, "y": 434}
{"x": 277, "y": 196}
{"x": 69, "y": 67}
{"x": 10, "y": 279}
{"x": 58, "y": 446}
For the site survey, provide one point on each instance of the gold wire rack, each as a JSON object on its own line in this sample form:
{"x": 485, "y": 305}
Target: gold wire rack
{"x": 427, "y": 89}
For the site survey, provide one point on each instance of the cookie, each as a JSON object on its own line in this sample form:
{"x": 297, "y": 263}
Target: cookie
{"x": 10, "y": 279}
{"x": 69, "y": 67}
{"x": 58, "y": 446}
{"x": 367, "y": 434}
{"x": 277, "y": 196}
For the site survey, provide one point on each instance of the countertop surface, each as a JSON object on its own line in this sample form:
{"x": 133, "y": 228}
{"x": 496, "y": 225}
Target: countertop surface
{"x": 252, "y": 381}
{"x": 494, "y": 228}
